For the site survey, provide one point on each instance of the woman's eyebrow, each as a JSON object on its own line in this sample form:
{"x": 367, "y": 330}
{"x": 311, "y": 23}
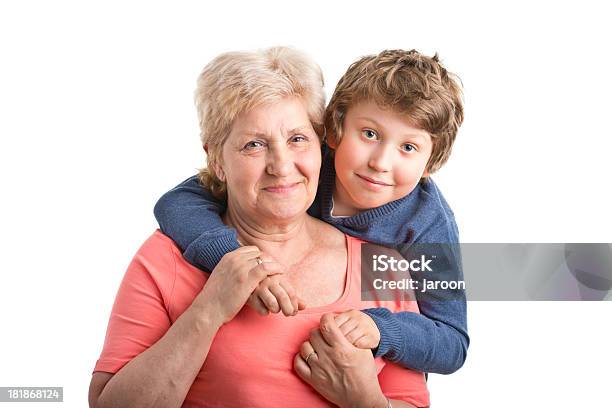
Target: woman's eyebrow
{"x": 299, "y": 129}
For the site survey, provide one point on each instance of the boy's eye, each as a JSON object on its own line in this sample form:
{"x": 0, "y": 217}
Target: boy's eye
{"x": 408, "y": 147}
{"x": 369, "y": 134}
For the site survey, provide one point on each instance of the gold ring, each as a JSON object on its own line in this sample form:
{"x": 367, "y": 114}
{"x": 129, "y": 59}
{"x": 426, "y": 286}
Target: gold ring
{"x": 312, "y": 353}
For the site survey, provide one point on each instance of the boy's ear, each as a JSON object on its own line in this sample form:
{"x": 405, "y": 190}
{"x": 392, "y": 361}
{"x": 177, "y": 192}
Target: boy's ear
{"x": 331, "y": 142}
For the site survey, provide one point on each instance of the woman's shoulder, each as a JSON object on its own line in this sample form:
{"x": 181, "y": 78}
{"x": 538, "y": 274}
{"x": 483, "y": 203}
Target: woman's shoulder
{"x": 158, "y": 249}
{"x": 327, "y": 235}
{"x": 155, "y": 264}
{"x": 159, "y": 267}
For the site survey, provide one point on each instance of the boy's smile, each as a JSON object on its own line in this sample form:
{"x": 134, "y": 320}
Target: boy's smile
{"x": 381, "y": 158}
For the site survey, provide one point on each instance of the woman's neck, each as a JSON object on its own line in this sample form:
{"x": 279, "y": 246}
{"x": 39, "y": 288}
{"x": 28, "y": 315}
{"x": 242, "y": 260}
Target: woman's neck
{"x": 287, "y": 242}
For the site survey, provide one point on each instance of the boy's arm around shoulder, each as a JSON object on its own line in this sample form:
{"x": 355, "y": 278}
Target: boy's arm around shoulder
{"x": 191, "y": 216}
{"x": 435, "y": 341}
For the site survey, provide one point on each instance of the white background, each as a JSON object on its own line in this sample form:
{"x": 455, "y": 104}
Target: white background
{"x": 97, "y": 121}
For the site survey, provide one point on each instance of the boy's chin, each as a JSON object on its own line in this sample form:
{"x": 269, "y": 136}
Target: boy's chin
{"x": 371, "y": 201}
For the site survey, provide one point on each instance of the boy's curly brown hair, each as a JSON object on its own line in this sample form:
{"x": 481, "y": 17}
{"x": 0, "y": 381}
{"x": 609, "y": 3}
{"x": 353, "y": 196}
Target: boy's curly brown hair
{"x": 409, "y": 83}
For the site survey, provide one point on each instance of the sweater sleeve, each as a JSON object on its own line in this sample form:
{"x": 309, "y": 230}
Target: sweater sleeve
{"x": 435, "y": 341}
{"x": 191, "y": 216}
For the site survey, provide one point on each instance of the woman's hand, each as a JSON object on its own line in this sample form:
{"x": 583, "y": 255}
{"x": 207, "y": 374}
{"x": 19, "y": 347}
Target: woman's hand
{"x": 232, "y": 282}
{"x": 342, "y": 373}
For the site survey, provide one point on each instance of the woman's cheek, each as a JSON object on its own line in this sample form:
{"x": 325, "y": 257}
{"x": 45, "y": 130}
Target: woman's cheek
{"x": 312, "y": 163}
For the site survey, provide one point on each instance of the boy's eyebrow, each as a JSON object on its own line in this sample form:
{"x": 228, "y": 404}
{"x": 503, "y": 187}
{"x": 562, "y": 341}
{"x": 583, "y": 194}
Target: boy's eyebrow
{"x": 420, "y": 136}
{"x": 411, "y": 135}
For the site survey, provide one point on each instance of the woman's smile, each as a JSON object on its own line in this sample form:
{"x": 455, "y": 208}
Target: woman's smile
{"x": 285, "y": 188}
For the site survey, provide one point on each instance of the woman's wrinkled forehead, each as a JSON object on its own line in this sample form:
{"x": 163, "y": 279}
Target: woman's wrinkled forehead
{"x": 286, "y": 117}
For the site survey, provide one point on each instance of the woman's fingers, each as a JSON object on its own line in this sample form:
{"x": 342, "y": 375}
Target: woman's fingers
{"x": 303, "y": 360}
{"x": 301, "y": 368}
{"x": 319, "y": 344}
{"x": 307, "y": 351}
{"x": 247, "y": 250}
{"x": 262, "y": 268}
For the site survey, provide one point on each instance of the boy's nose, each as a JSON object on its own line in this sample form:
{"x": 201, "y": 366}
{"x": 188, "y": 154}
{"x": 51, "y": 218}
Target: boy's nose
{"x": 380, "y": 160}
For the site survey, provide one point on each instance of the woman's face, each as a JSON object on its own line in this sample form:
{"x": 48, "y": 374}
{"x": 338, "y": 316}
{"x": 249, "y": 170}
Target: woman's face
{"x": 271, "y": 162}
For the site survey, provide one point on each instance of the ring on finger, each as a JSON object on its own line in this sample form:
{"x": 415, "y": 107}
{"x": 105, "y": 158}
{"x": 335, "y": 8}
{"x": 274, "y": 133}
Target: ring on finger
{"x": 259, "y": 260}
{"x": 312, "y": 353}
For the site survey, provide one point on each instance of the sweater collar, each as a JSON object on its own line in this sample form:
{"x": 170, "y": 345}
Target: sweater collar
{"x": 364, "y": 218}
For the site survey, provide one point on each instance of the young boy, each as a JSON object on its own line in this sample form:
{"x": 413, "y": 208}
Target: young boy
{"x": 390, "y": 123}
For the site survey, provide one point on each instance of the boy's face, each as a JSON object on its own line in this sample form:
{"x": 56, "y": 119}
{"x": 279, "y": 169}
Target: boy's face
{"x": 381, "y": 158}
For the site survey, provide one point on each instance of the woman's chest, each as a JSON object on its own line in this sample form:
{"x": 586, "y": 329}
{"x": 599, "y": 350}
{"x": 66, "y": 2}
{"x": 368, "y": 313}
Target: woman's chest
{"x": 322, "y": 280}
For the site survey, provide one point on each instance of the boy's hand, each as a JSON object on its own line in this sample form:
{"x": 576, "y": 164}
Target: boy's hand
{"x": 359, "y": 329}
{"x": 275, "y": 294}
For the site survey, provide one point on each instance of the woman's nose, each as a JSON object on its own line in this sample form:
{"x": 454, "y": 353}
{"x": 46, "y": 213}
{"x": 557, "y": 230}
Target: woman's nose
{"x": 280, "y": 161}
{"x": 381, "y": 158}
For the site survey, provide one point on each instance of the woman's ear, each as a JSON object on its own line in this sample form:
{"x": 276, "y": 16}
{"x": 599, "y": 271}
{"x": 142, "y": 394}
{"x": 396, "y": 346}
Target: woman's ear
{"x": 218, "y": 171}
{"x": 216, "y": 167}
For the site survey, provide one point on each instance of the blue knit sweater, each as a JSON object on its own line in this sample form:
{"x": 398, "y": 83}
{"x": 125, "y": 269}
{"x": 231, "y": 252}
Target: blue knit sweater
{"x": 435, "y": 341}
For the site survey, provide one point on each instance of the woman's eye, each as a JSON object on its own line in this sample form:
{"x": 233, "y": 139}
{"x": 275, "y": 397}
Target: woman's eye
{"x": 253, "y": 144}
{"x": 408, "y": 147}
{"x": 299, "y": 138}
{"x": 369, "y": 134}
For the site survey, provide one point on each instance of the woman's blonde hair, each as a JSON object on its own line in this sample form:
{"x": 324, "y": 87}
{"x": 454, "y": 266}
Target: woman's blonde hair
{"x": 236, "y": 82}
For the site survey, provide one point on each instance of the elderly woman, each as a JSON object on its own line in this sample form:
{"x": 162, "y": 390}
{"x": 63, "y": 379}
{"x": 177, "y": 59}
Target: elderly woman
{"x": 179, "y": 338}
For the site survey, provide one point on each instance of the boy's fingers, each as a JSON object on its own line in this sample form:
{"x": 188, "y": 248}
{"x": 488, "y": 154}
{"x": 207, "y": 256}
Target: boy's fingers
{"x": 347, "y": 326}
{"x": 282, "y": 299}
{"x": 257, "y": 305}
{"x": 288, "y": 287}
{"x": 292, "y": 295}
{"x": 354, "y": 335}
{"x": 331, "y": 332}
{"x": 363, "y": 343}
{"x": 268, "y": 299}
{"x": 301, "y": 304}
{"x": 343, "y": 318}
